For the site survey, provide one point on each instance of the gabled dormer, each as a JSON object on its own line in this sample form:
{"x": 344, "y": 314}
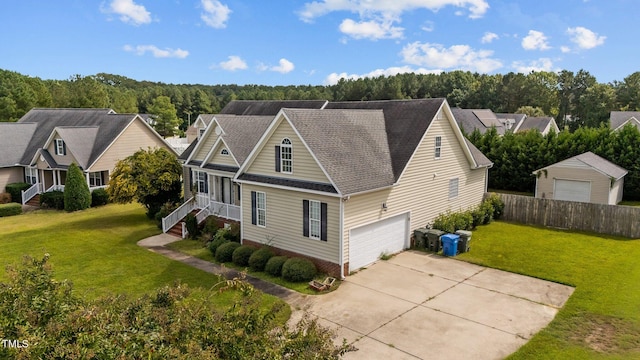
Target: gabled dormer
{"x": 68, "y": 145}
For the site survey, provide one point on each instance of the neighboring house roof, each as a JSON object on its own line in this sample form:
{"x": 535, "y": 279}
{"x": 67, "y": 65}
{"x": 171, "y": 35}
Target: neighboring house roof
{"x": 87, "y": 132}
{"x": 596, "y": 162}
{"x": 619, "y": 119}
{"x": 480, "y": 159}
{"x": 510, "y": 121}
{"x": 406, "y": 121}
{"x": 480, "y": 119}
{"x": 14, "y": 139}
{"x": 268, "y": 107}
{"x": 539, "y": 123}
{"x": 187, "y": 152}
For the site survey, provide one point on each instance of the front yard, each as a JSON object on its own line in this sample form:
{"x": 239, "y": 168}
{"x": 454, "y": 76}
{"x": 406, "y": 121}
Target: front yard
{"x": 601, "y": 320}
{"x": 96, "y": 249}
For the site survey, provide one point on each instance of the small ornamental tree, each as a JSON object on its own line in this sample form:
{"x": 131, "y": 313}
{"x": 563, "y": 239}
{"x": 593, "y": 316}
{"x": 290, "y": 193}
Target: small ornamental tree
{"x": 76, "y": 191}
{"x": 150, "y": 177}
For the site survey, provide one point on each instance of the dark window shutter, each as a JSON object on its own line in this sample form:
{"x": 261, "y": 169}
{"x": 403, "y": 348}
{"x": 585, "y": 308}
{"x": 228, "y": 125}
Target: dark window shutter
{"x": 305, "y": 218}
{"x": 254, "y": 212}
{"x": 277, "y": 158}
{"x": 323, "y": 221}
{"x": 64, "y": 148}
{"x": 191, "y": 182}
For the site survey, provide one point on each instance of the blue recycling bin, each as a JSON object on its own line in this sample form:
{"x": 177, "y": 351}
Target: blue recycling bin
{"x": 450, "y": 244}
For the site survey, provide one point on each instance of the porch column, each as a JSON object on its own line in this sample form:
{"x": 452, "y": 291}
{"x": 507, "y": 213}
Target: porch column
{"x": 87, "y": 179}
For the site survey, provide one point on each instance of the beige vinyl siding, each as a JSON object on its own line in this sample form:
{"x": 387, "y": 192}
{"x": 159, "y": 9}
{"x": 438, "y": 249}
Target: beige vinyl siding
{"x": 284, "y": 223}
{"x": 10, "y": 175}
{"x": 600, "y": 184}
{"x": 305, "y": 166}
{"x": 615, "y": 195}
{"x": 61, "y": 159}
{"x": 205, "y": 146}
{"x": 220, "y": 159}
{"x": 418, "y": 190}
{"x": 135, "y": 137}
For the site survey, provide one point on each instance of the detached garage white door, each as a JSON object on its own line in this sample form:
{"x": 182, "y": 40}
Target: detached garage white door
{"x": 367, "y": 243}
{"x": 572, "y": 190}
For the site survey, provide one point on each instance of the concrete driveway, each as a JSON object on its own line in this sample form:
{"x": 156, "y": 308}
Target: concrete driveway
{"x": 423, "y": 306}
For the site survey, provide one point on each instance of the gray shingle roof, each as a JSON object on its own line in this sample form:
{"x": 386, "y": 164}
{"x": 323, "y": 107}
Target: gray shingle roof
{"x": 354, "y": 163}
{"x": 405, "y": 122}
{"x": 79, "y": 141}
{"x": 109, "y": 125}
{"x": 268, "y": 107}
{"x": 538, "y": 123}
{"x": 480, "y": 159}
{"x": 241, "y": 133}
{"x": 617, "y": 118}
{"x": 480, "y": 119}
{"x": 598, "y": 163}
{"x": 14, "y": 139}
{"x": 517, "y": 119}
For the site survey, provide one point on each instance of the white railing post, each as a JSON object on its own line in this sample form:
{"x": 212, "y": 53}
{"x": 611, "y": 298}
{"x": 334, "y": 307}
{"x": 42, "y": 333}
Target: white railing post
{"x": 178, "y": 214}
{"x": 30, "y": 193}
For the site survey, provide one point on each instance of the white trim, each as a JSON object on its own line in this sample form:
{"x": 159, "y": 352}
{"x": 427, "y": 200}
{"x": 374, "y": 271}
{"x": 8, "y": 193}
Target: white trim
{"x": 437, "y": 149}
{"x": 318, "y": 220}
{"x": 457, "y": 183}
{"x": 202, "y": 140}
{"x": 286, "y": 188}
{"x": 213, "y": 151}
{"x": 633, "y": 118}
{"x": 576, "y": 180}
{"x": 341, "y": 238}
{"x": 258, "y": 210}
{"x": 282, "y": 160}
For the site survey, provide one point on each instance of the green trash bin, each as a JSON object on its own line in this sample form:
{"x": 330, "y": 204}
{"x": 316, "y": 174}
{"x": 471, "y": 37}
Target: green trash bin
{"x": 464, "y": 241}
{"x": 433, "y": 239}
{"x": 420, "y": 236}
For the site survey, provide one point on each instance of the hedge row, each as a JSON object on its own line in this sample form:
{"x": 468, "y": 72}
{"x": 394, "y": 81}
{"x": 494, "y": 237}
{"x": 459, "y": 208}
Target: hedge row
{"x": 490, "y": 209}
{"x": 10, "y": 209}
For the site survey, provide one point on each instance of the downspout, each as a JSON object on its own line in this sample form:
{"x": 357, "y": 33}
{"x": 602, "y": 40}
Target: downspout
{"x": 341, "y": 238}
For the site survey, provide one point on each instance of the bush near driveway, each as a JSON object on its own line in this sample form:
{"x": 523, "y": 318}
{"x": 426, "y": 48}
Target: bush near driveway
{"x": 259, "y": 258}
{"x": 274, "y": 265}
{"x": 10, "y": 209}
{"x": 298, "y": 270}
{"x": 242, "y": 254}
{"x": 224, "y": 252}
{"x": 601, "y": 320}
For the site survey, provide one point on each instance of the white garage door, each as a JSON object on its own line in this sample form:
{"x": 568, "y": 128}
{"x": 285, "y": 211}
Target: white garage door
{"x": 367, "y": 243}
{"x": 572, "y": 190}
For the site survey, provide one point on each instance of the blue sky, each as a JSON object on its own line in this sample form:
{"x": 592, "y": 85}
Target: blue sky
{"x": 287, "y": 42}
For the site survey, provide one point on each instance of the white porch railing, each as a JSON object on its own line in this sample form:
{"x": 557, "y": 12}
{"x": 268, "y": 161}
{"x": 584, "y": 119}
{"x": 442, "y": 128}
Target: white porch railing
{"x": 202, "y": 214}
{"x": 30, "y": 193}
{"x": 228, "y": 211}
{"x": 202, "y": 200}
{"x": 91, "y": 188}
{"x": 178, "y": 214}
{"x": 55, "y": 188}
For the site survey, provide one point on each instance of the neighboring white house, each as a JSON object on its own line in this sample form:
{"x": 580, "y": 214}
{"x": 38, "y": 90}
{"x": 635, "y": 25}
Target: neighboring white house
{"x": 586, "y": 178}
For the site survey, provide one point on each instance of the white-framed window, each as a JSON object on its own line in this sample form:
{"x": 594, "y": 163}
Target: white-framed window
{"x": 453, "y": 188}
{"x": 95, "y": 179}
{"x": 261, "y": 208}
{"x": 224, "y": 152}
{"x": 201, "y": 181}
{"x": 31, "y": 175}
{"x": 314, "y": 219}
{"x": 438, "y": 147}
{"x": 286, "y": 156}
{"x": 60, "y": 147}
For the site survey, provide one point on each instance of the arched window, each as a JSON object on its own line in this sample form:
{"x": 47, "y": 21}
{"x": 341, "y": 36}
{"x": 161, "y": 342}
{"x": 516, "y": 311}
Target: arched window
{"x": 286, "y": 156}
{"x": 224, "y": 152}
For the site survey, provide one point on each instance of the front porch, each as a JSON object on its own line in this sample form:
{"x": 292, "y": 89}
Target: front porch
{"x": 47, "y": 180}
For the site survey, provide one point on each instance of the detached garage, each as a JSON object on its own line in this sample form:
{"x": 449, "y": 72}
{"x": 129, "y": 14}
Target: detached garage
{"x": 585, "y": 178}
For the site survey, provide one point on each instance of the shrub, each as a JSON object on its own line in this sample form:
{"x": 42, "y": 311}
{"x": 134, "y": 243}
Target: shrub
{"x": 242, "y": 254}
{"x": 15, "y": 190}
{"x": 487, "y": 210}
{"x": 192, "y": 226}
{"x": 10, "y": 209}
{"x": 233, "y": 233}
{"x": 224, "y": 252}
{"x": 274, "y": 265}
{"x": 259, "y": 258}
{"x": 76, "y": 191}
{"x": 497, "y": 204}
{"x": 215, "y": 244}
{"x": 166, "y": 209}
{"x": 298, "y": 270}
{"x": 99, "y": 197}
{"x": 52, "y": 200}
{"x": 5, "y": 198}
{"x": 450, "y": 222}
{"x": 211, "y": 226}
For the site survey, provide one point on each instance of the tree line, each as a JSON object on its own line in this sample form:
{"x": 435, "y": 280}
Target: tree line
{"x": 573, "y": 99}
{"x": 517, "y": 156}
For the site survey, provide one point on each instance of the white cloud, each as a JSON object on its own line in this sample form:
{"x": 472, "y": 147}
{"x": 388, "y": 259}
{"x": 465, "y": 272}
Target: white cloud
{"x": 129, "y": 12}
{"x": 585, "y": 38}
{"x": 565, "y": 49}
{"x": 542, "y": 64}
{"x": 333, "y": 78}
{"x": 536, "y": 40}
{"x": 157, "y": 52}
{"x": 285, "y": 66}
{"x": 455, "y": 57}
{"x": 370, "y": 29}
{"x": 489, "y": 37}
{"x": 215, "y": 13}
{"x": 428, "y": 26}
{"x": 377, "y": 17}
{"x": 234, "y": 63}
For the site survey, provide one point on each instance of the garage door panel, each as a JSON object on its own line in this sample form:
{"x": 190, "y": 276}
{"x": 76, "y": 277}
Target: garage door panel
{"x": 367, "y": 243}
{"x": 572, "y": 190}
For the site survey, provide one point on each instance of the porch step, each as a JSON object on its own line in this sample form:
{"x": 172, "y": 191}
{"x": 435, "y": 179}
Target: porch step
{"x": 176, "y": 230}
{"x": 35, "y": 201}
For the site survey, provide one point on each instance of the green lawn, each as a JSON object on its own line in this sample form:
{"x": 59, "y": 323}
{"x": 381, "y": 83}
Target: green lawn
{"x": 601, "y": 320}
{"x": 96, "y": 249}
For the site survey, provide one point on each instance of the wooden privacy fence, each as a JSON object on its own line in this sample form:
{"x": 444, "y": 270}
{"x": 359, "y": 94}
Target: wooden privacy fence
{"x": 598, "y": 218}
